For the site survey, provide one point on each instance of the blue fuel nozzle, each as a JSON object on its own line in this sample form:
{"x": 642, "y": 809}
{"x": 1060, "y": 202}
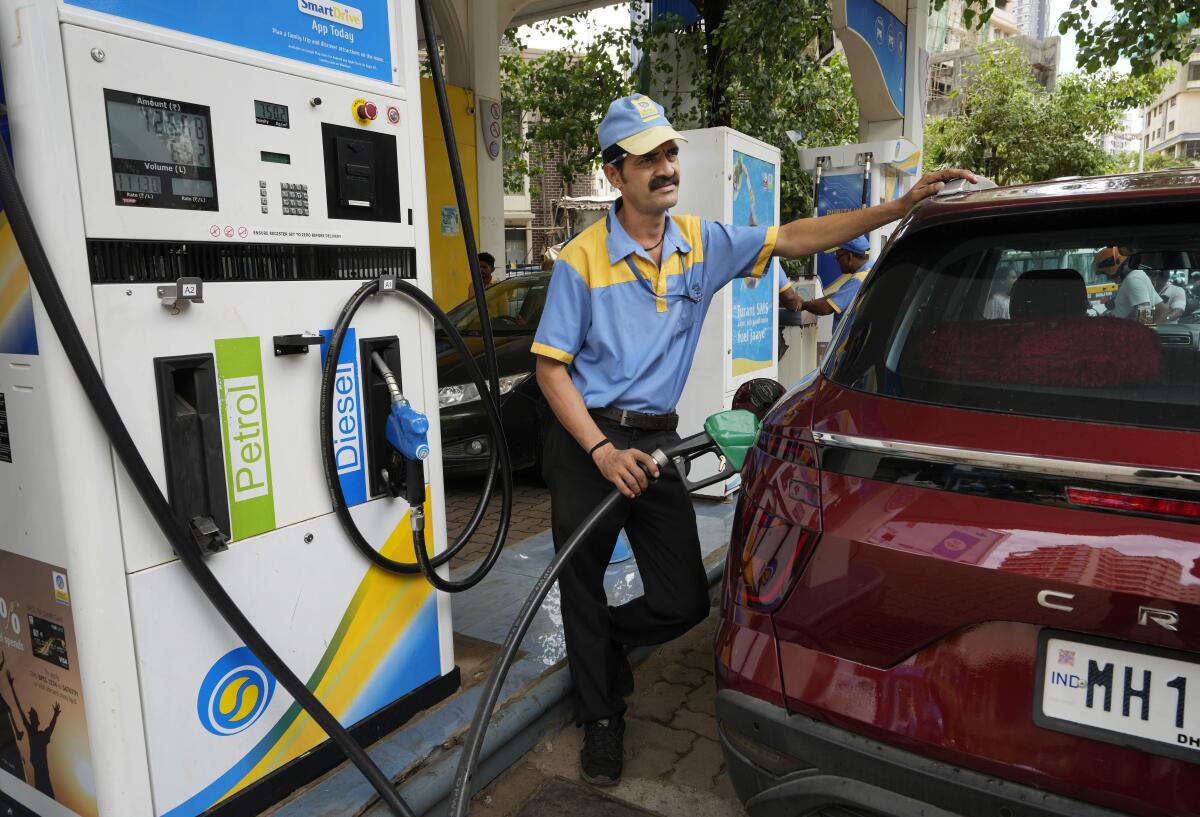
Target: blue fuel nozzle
{"x": 408, "y": 430}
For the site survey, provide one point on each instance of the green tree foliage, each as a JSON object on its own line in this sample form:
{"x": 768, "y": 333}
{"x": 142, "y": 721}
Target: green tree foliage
{"x": 749, "y": 64}
{"x": 1013, "y": 130}
{"x": 1145, "y": 32}
{"x": 1138, "y": 30}
{"x": 1164, "y": 161}
{"x": 556, "y": 100}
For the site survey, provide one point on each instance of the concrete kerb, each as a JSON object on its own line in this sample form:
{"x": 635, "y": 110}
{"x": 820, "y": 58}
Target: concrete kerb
{"x": 515, "y": 730}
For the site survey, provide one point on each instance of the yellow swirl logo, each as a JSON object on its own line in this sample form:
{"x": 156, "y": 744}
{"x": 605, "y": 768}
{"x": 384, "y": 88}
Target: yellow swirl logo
{"x": 234, "y": 693}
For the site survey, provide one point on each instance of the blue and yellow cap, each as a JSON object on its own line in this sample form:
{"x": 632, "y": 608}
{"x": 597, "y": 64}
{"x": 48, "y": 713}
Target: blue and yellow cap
{"x": 859, "y": 245}
{"x": 634, "y": 126}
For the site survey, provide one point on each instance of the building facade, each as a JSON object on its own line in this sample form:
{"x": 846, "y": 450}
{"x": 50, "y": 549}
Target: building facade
{"x": 1171, "y": 126}
{"x": 946, "y": 70}
{"x": 1033, "y": 18}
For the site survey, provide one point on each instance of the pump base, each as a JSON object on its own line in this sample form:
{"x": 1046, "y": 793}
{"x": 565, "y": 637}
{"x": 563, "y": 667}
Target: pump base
{"x": 280, "y": 784}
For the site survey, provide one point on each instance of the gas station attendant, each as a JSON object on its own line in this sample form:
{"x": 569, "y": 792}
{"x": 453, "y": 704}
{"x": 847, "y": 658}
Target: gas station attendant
{"x": 623, "y": 315}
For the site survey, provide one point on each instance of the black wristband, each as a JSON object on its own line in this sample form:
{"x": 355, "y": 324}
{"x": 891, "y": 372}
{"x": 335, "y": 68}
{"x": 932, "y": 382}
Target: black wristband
{"x": 599, "y": 445}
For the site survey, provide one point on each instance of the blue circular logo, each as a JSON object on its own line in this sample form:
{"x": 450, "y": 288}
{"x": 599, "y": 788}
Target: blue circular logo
{"x": 235, "y": 693}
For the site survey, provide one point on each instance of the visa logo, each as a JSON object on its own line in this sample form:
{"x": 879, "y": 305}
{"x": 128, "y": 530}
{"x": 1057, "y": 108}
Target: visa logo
{"x": 245, "y": 438}
{"x": 335, "y": 12}
{"x": 347, "y": 427}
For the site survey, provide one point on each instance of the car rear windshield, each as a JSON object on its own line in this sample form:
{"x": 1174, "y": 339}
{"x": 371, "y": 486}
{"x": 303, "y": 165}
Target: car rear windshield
{"x": 1091, "y": 315}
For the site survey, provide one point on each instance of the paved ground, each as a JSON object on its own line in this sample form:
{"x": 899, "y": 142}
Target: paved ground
{"x": 673, "y": 763}
{"x": 530, "y": 515}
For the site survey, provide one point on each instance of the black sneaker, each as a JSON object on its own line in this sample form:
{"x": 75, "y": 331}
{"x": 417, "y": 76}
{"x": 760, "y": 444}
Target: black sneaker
{"x": 603, "y": 754}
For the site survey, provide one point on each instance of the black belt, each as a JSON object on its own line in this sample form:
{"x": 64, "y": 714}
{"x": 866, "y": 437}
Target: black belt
{"x": 638, "y": 419}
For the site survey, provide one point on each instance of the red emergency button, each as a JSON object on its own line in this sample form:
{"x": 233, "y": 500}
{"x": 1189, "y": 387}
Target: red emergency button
{"x": 365, "y": 111}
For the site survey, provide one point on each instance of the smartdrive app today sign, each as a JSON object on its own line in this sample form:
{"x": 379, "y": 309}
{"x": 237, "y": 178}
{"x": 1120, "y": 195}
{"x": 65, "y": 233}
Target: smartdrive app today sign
{"x": 355, "y": 38}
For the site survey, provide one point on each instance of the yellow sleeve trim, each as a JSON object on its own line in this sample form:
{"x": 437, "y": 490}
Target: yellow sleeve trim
{"x": 764, "y": 255}
{"x": 786, "y": 286}
{"x": 552, "y": 353}
{"x": 833, "y": 305}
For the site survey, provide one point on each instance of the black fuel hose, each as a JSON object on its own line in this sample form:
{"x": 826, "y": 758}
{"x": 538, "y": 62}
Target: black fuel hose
{"x": 677, "y": 455}
{"x": 500, "y": 456}
{"x": 460, "y": 795}
{"x": 43, "y": 277}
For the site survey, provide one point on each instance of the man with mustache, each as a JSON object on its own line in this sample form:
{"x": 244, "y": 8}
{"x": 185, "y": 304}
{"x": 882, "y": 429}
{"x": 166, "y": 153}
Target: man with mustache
{"x": 622, "y": 319}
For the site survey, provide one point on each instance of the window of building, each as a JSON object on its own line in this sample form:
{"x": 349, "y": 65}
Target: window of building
{"x": 1191, "y": 150}
{"x": 1171, "y": 126}
{"x": 516, "y": 246}
{"x": 1194, "y": 72}
{"x": 1174, "y": 101}
{"x": 1147, "y": 141}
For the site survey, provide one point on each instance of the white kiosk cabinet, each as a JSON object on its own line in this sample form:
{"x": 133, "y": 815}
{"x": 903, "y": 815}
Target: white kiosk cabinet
{"x": 733, "y": 178}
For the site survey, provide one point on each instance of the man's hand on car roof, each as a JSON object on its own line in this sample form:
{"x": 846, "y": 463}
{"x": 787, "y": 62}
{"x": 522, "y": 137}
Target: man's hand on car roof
{"x": 931, "y": 183}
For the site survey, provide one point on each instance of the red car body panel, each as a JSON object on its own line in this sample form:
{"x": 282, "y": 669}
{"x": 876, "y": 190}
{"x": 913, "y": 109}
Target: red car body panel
{"x": 915, "y": 618}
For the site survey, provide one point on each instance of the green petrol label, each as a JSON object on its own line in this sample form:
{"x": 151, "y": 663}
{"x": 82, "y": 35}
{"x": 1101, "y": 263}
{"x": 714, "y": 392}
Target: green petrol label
{"x": 247, "y": 450}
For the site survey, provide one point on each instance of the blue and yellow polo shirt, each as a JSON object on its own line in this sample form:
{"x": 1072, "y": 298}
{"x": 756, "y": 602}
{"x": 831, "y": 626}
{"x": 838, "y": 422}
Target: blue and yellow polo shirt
{"x": 629, "y": 330}
{"x": 842, "y": 291}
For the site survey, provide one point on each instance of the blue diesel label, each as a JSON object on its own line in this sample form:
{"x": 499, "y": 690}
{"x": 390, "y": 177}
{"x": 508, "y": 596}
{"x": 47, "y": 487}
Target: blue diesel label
{"x": 346, "y": 420}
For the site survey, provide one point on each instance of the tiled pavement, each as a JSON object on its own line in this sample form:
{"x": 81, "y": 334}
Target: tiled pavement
{"x": 673, "y": 763}
{"x": 530, "y": 513}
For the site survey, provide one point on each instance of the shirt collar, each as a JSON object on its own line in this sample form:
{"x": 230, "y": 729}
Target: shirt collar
{"x": 620, "y": 245}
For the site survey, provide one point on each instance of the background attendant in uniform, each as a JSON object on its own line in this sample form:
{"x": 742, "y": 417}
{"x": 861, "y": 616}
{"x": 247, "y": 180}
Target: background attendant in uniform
{"x": 853, "y": 260}
{"x": 487, "y": 268}
{"x": 623, "y": 315}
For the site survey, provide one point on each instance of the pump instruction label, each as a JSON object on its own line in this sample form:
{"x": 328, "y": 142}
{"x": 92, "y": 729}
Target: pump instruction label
{"x": 247, "y": 447}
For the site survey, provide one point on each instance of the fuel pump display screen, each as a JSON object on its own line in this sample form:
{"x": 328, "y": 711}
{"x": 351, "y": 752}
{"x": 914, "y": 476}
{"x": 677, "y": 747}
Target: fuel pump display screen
{"x": 162, "y": 152}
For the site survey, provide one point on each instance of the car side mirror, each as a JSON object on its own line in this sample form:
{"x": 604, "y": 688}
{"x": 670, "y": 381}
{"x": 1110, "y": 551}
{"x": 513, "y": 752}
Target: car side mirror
{"x": 757, "y": 396}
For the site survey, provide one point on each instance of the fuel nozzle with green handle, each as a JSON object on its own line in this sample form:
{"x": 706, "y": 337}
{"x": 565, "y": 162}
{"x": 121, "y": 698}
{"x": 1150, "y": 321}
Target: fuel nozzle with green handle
{"x": 728, "y": 434}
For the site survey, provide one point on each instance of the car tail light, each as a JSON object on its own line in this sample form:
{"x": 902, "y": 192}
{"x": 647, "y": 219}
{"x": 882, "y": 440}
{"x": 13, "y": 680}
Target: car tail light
{"x": 771, "y": 556}
{"x": 1133, "y": 503}
{"x": 778, "y": 524}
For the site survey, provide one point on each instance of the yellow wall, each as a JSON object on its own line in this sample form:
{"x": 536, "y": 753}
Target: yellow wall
{"x": 451, "y": 274}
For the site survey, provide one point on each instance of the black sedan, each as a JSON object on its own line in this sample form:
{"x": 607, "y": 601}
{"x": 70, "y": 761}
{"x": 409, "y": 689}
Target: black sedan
{"x": 515, "y": 306}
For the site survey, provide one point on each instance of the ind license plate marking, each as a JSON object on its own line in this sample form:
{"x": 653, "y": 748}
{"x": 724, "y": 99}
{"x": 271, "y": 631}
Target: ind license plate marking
{"x": 1129, "y": 695}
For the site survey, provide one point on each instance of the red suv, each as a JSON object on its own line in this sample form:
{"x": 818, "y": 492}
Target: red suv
{"x": 964, "y": 574}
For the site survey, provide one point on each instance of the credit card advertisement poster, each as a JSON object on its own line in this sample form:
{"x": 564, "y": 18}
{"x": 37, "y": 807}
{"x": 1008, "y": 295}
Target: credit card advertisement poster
{"x": 753, "y": 301}
{"x": 356, "y": 39}
{"x": 43, "y": 734}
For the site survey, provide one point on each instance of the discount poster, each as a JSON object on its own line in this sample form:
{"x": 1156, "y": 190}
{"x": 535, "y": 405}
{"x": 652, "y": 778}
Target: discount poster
{"x": 43, "y": 734}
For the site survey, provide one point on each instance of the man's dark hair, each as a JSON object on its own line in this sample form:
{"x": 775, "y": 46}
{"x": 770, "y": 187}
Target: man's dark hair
{"x": 488, "y": 258}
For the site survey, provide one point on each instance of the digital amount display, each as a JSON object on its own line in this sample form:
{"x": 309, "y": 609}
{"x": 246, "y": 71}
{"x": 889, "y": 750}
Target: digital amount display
{"x": 161, "y": 151}
{"x": 134, "y": 183}
{"x": 270, "y": 113}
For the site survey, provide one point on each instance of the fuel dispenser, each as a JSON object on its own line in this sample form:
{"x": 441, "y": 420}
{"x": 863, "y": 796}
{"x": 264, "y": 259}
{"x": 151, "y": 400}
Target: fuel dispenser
{"x": 848, "y": 177}
{"x": 210, "y": 181}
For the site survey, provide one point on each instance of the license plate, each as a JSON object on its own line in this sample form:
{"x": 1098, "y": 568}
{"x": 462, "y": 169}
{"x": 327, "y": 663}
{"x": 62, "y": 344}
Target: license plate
{"x": 1122, "y": 693}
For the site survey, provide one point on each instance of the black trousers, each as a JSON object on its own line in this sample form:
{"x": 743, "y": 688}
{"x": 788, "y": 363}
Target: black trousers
{"x": 661, "y": 525}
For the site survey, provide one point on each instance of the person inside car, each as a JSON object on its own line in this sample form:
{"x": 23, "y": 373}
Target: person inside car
{"x": 1174, "y": 299}
{"x": 1136, "y": 298}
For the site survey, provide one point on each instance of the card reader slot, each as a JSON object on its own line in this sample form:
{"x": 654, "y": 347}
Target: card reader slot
{"x": 190, "y": 417}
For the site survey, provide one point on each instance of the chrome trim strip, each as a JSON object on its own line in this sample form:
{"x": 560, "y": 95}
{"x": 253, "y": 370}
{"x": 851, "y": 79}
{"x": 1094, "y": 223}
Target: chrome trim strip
{"x": 1047, "y": 466}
